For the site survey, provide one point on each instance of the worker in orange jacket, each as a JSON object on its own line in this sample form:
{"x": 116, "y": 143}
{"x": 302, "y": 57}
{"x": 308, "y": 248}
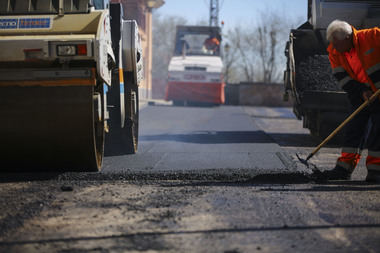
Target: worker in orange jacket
{"x": 355, "y": 60}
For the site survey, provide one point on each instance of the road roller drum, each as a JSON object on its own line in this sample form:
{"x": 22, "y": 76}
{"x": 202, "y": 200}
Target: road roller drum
{"x": 62, "y": 89}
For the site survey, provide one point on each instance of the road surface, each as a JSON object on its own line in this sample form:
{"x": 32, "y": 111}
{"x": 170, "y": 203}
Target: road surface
{"x": 205, "y": 179}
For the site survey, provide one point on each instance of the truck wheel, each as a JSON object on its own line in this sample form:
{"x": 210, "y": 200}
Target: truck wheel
{"x": 99, "y": 131}
{"x": 122, "y": 140}
{"x": 132, "y": 118}
{"x": 329, "y": 122}
{"x": 324, "y": 124}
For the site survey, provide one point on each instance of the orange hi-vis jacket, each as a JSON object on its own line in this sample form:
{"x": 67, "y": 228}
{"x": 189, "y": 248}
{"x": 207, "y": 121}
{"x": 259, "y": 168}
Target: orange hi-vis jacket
{"x": 367, "y": 45}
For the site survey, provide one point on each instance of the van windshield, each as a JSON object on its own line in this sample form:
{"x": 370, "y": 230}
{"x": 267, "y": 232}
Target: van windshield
{"x": 195, "y": 43}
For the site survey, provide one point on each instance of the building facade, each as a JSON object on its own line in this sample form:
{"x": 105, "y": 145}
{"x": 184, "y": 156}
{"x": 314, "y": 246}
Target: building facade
{"x": 141, "y": 11}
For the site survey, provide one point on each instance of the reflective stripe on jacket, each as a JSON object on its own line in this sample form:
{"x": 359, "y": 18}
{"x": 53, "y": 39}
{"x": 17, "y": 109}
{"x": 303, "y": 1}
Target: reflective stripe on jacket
{"x": 367, "y": 45}
{"x": 373, "y": 160}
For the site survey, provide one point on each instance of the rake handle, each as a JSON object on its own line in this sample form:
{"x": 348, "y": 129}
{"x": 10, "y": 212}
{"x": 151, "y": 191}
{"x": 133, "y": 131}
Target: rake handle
{"x": 359, "y": 109}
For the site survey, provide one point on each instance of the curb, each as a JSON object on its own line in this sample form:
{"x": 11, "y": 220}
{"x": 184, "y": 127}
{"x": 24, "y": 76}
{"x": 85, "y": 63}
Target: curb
{"x": 143, "y": 103}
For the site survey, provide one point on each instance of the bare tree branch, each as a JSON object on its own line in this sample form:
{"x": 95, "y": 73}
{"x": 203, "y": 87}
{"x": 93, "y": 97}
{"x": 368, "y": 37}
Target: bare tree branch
{"x": 260, "y": 48}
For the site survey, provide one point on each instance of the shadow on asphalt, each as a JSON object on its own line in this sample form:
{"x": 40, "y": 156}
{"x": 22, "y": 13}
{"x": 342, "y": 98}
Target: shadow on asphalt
{"x": 329, "y": 186}
{"x": 269, "y": 181}
{"x": 218, "y": 137}
{"x": 20, "y": 176}
{"x": 212, "y": 137}
{"x": 332, "y": 188}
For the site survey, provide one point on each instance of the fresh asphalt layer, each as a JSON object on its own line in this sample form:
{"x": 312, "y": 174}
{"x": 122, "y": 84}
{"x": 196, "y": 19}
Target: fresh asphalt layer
{"x": 194, "y": 142}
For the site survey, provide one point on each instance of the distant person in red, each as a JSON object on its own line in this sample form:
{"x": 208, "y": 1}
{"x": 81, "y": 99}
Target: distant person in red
{"x": 211, "y": 44}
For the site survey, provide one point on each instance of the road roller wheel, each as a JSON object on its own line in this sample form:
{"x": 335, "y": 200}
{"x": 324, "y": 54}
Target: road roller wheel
{"x": 132, "y": 120}
{"x": 98, "y": 126}
{"x": 51, "y": 128}
{"x": 122, "y": 140}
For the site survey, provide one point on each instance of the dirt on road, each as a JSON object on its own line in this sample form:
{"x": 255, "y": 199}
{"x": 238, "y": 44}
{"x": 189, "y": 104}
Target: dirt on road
{"x": 70, "y": 215}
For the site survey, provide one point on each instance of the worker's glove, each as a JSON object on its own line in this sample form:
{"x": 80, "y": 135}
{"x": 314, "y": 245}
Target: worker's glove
{"x": 355, "y": 92}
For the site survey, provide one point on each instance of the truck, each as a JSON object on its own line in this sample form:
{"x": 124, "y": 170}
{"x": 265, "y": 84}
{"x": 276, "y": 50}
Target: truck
{"x": 317, "y": 99}
{"x": 69, "y": 75}
{"x": 195, "y": 70}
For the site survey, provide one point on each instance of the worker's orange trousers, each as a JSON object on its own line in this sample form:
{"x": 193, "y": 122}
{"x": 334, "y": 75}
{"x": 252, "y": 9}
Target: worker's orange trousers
{"x": 363, "y": 131}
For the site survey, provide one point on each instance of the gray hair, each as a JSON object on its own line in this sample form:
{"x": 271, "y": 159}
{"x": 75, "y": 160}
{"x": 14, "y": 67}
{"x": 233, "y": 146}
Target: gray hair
{"x": 338, "y": 29}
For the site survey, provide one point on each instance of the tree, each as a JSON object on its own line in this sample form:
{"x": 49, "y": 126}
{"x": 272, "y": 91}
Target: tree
{"x": 269, "y": 46}
{"x": 230, "y": 56}
{"x": 241, "y": 44}
{"x": 259, "y": 49}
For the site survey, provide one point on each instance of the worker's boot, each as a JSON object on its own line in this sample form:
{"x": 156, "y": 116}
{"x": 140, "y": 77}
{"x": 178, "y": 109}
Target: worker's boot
{"x": 338, "y": 173}
{"x": 373, "y": 177}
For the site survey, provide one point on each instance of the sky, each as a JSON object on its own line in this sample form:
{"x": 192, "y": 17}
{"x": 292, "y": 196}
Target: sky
{"x": 234, "y": 12}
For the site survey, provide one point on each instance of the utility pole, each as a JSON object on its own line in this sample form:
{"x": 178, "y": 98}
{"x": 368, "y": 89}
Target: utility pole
{"x": 214, "y": 12}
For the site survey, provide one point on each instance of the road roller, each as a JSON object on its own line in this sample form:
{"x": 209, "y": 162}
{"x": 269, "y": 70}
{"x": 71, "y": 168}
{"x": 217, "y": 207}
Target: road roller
{"x": 69, "y": 75}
